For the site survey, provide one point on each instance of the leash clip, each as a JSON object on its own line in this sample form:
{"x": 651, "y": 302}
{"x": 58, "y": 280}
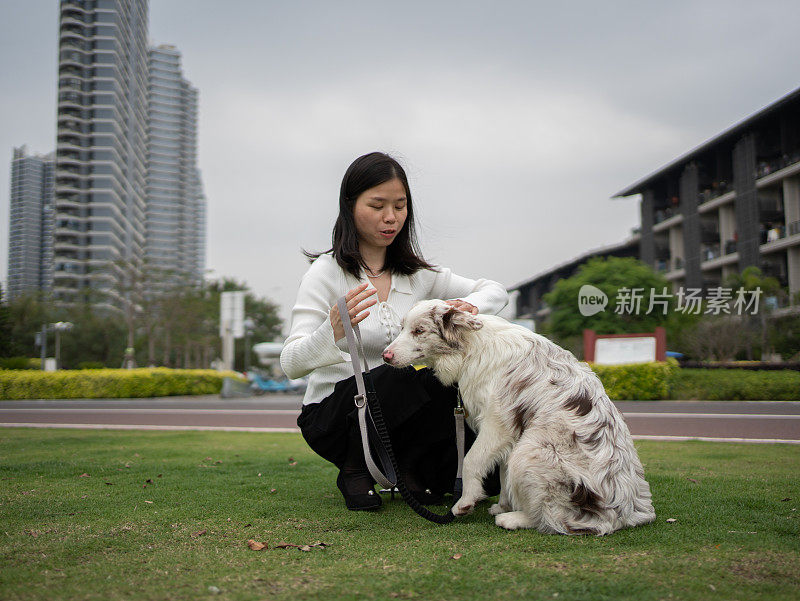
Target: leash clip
{"x": 361, "y": 400}
{"x": 459, "y": 408}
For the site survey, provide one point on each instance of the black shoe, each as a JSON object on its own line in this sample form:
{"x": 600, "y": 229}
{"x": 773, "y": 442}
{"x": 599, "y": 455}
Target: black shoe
{"x": 362, "y": 501}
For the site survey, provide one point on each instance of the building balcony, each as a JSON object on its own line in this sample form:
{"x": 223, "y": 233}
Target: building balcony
{"x": 717, "y": 202}
{"x": 716, "y": 262}
{"x": 716, "y": 190}
{"x": 767, "y": 167}
{"x": 58, "y": 247}
{"x": 709, "y": 252}
{"x": 67, "y": 188}
{"x": 67, "y": 203}
{"x": 664, "y": 219}
{"x": 75, "y": 32}
{"x": 781, "y": 237}
{"x": 729, "y": 247}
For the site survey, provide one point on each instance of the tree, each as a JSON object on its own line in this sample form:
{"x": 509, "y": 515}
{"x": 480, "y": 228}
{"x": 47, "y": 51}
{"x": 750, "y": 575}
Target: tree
{"x": 27, "y": 313}
{"x": 5, "y": 328}
{"x": 622, "y": 280}
{"x": 751, "y": 280}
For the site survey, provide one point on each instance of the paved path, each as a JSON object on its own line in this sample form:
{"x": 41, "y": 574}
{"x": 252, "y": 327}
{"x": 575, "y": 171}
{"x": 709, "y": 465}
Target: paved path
{"x": 760, "y": 421}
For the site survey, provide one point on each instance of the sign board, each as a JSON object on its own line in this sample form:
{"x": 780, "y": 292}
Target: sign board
{"x": 231, "y": 313}
{"x": 617, "y": 349}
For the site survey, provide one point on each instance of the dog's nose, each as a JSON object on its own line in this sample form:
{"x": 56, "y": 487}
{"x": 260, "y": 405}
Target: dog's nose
{"x": 388, "y": 356}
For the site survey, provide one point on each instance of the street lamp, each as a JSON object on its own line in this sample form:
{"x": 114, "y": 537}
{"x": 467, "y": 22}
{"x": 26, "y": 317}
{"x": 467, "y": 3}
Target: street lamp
{"x": 58, "y": 327}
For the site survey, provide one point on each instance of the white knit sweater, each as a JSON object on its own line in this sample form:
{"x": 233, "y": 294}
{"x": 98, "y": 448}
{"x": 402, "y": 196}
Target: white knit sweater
{"x": 310, "y": 347}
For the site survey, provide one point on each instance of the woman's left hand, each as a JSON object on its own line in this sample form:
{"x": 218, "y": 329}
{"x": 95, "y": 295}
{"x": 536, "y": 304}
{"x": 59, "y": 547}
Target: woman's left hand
{"x": 463, "y": 305}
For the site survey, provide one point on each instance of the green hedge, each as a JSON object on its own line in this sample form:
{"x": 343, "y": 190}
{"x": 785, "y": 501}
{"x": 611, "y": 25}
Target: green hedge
{"x": 640, "y": 381}
{"x": 660, "y": 381}
{"x": 735, "y": 385}
{"x": 109, "y": 383}
{"x": 20, "y": 363}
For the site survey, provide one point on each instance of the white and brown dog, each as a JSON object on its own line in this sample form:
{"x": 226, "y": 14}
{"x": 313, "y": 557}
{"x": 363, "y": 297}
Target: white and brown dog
{"x": 567, "y": 460}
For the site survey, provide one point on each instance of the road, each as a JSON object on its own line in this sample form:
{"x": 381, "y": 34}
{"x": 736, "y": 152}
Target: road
{"x": 759, "y": 421}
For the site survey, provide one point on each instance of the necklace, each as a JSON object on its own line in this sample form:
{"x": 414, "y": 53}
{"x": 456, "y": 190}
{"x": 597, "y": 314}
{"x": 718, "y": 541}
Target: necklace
{"x": 377, "y": 275}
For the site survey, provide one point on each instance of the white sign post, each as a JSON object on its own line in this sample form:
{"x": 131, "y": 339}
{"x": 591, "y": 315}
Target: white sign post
{"x": 231, "y": 323}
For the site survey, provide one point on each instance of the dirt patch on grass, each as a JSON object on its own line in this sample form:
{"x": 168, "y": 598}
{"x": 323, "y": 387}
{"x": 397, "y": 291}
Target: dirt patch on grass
{"x": 766, "y": 565}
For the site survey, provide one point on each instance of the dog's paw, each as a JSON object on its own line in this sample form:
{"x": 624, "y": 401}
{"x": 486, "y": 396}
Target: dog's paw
{"x": 513, "y": 520}
{"x": 463, "y": 507}
{"x": 497, "y": 509}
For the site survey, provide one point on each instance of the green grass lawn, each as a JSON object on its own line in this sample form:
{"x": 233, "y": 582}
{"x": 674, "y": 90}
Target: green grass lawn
{"x": 167, "y": 515}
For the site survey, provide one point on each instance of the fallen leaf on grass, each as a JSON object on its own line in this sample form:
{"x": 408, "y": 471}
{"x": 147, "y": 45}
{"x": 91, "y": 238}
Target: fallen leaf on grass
{"x": 200, "y": 533}
{"x": 149, "y": 481}
{"x": 110, "y": 483}
{"x": 692, "y": 480}
{"x": 273, "y": 491}
{"x": 256, "y": 546}
{"x": 318, "y": 544}
{"x": 84, "y": 475}
{"x": 149, "y": 502}
{"x": 786, "y": 499}
{"x": 457, "y": 556}
{"x": 671, "y": 520}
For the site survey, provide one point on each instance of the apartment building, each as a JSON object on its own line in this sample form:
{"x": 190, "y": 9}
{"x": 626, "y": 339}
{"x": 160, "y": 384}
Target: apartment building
{"x": 175, "y": 218}
{"x": 30, "y": 240}
{"x": 731, "y": 203}
{"x": 100, "y": 146}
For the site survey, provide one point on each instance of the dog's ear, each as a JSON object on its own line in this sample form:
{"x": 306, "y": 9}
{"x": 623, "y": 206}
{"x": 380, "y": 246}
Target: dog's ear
{"x": 454, "y": 324}
{"x": 453, "y": 318}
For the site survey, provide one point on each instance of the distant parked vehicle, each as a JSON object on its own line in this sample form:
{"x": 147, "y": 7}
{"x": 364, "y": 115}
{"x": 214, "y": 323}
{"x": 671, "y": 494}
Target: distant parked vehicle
{"x": 260, "y": 384}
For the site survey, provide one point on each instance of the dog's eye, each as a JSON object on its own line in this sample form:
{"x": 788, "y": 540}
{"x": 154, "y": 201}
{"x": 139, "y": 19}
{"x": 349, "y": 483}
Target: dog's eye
{"x": 418, "y": 330}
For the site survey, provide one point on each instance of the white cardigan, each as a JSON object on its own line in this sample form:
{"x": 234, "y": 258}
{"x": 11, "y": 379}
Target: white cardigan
{"x": 310, "y": 347}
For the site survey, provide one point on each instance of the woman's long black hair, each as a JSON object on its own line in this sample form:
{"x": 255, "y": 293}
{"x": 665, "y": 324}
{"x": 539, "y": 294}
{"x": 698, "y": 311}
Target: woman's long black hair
{"x": 403, "y": 255}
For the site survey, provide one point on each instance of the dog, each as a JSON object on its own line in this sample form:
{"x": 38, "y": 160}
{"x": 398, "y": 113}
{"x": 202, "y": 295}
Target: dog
{"x": 566, "y": 456}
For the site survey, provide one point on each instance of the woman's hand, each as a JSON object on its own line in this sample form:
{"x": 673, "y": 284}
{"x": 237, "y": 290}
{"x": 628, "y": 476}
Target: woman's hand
{"x": 356, "y": 305}
{"x": 463, "y": 305}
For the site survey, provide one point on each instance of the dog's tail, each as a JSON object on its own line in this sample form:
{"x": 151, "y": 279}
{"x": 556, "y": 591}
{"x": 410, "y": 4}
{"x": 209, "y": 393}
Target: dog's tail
{"x": 587, "y": 512}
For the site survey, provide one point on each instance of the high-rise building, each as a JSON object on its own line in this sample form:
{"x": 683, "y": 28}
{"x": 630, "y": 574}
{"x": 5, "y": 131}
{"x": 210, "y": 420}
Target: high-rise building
{"x": 100, "y": 167}
{"x": 175, "y": 222}
{"x": 30, "y": 240}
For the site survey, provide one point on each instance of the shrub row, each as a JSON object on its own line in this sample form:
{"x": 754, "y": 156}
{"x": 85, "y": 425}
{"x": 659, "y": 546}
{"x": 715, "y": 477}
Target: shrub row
{"x": 109, "y": 383}
{"x": 647, "y": 381}
{"x": 659, "y": 381}
{"x": 734, "y": 385}
{"x": 640, "y": 381}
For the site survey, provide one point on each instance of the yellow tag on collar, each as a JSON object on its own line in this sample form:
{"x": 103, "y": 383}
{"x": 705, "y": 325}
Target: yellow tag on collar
{"x": 419, "y": 367}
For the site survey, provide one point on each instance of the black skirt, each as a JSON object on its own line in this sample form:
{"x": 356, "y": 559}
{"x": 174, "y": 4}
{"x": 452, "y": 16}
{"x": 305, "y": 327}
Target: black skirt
{"x": 418, "y": 412}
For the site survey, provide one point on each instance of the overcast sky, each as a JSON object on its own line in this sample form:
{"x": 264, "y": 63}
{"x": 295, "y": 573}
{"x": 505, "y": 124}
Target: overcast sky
{"x": 516, "y": 121}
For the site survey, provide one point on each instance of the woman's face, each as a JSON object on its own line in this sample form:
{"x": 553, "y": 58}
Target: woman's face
{"x": 380, "y": 213}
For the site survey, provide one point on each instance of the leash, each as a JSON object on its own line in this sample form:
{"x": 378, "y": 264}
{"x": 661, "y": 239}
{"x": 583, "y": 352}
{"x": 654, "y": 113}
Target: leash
{"x": 373, "y": 428}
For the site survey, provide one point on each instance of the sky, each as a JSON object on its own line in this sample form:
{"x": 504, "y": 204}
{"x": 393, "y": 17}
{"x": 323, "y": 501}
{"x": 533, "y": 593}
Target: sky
{"x": 516, "y": 121}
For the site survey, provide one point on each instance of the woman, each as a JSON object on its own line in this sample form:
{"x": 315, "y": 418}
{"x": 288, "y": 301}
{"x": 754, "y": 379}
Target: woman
{"x": 376, "y": 262}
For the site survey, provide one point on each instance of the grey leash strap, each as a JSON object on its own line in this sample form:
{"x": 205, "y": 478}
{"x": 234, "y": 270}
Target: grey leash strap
{"x": 357, "y": 349}
{"x": 459, "y": 413}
